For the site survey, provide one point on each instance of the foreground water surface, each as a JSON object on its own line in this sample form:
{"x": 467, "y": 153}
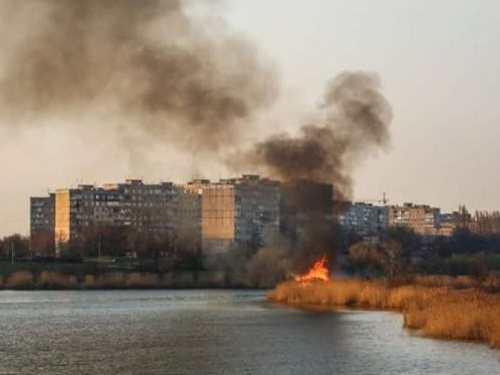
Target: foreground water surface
{"x": 213, "y": 332}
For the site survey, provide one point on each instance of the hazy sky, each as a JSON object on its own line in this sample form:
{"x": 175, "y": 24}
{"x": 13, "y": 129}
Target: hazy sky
{"x": 439, "y": 62}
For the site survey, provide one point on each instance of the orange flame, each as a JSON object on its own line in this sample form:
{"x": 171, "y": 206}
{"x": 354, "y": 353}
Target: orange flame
{"x": 318, "y": 272}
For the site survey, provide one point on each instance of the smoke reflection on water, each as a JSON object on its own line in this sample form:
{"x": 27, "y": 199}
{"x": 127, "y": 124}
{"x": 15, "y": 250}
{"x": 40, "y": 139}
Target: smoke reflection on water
{"x": 212, "y": 332}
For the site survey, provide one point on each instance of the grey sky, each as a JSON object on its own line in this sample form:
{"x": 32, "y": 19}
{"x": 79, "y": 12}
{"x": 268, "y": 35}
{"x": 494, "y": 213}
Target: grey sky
{"x": 439, "y": 62}
{"x": 440, "y": 65}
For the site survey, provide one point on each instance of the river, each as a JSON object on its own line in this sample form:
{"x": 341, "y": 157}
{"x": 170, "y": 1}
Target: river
{"x": 214, "y": 332}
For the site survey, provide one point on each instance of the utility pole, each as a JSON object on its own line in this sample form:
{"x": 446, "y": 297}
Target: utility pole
{"x": 12, "y": 253}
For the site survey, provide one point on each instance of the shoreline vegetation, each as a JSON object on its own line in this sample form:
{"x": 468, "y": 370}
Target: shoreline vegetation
{"x": 438, "y": 307}
{"x": 55, "y": 280}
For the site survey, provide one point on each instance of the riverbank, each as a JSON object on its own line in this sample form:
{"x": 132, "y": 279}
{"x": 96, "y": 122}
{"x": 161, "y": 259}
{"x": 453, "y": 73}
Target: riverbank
{"x": 54, "y": 280}
{"x": 438, "y": 312}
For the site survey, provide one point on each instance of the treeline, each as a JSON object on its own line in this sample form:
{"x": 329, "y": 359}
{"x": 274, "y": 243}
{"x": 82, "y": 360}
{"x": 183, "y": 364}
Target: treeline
{"x": 15, "y": 246}
{"x": 402, "y": 252}
{"x": 482, "y": 222}
{"x": 147, "y": 250}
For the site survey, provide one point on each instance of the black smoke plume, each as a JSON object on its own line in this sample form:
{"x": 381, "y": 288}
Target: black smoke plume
{"x": 168, "y": 74}
{"x": 354, "y": 123}
{"x": 156, "y": 70}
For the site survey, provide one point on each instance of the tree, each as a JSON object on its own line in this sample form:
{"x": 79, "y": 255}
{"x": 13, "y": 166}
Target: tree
{"x": 370, "y": 260}
{"x": 410, "y": 242}
{"x": 364, "y": 259}
{"x": 390, "y": 257}
{"x": 16, "y": 245}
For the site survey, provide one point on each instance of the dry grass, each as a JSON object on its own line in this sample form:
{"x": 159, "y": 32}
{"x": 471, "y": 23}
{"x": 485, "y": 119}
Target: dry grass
{"x": 56, "y": 280}
{"x": 490, "y": 281}
{"x": 178, "y": 280}
{"x": 113, "y": 280}
{"x": 440, "y": 312}
{"x": 211, "y": 280}
{"x": 138, "y": 280}
{"x": 20, "y": 280}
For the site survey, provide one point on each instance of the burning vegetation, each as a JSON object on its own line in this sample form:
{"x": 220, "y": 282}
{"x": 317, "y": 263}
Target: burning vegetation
{"x": 318, "y": 272}
{"x": 160, "y": 72}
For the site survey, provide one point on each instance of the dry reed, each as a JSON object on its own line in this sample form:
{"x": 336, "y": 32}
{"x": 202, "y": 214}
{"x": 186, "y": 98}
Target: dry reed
{"x": 138, "y": 280}
{"x": 113, "y": 280}
{"x": 439, "y": 312}
{"x": 56, "y": 280}
{"x": 20, "y": 280}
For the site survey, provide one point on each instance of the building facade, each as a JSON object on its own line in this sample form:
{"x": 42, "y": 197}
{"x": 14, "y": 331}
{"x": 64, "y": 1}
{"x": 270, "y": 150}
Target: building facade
{"x": 238, "y": 211}
{"x": 423, "y": 219}
{"x": 162, "y": 209}
{"x": 42, "y": 220}
{"x": 249, "y": 211}
{"x": 364, "y": 219}
{"x": 306, "y": 210}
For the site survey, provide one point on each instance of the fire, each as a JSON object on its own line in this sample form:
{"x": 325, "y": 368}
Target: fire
{"x": 318, "y": 272}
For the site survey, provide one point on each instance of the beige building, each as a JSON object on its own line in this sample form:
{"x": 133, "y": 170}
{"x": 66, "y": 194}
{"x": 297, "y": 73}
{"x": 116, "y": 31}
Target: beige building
{"x": 243, "y": 210}
{"x": 423, "y": 219}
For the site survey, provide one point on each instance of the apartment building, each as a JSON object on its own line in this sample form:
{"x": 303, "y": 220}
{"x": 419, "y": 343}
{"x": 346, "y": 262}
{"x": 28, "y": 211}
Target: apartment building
{"x": 246, "y": 211}
{"x": 364, "y": 219}
{"x": 423, "y": 219}
{"x": 42, "y": 216}
{"x": 237, "y": 211}
{"x": 306, "y": 207}
{"x": 163, "y": 209}
{"x": 188, "y": 219}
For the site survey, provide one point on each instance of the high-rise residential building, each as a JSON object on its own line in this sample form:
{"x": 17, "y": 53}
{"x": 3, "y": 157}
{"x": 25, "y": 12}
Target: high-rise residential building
{"x": 237, "y": 211}
{"x": 164, "y": 209}
{"x": 423, "y": 219}
{"x": 364, "y": 219}
{"x": 306, "y": 208}
{"x": 247, "y": 211}
{"x": 42, "y": 216}
{"x": 188, "y": 219}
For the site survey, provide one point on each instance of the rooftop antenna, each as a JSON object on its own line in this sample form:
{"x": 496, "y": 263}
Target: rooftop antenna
{"x": 384, "y": 200}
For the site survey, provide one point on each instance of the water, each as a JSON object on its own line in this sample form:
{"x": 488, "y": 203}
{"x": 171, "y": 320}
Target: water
{"x": 213, "y": 332}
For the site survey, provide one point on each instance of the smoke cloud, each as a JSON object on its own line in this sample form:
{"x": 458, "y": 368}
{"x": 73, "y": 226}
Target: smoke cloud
{"x": 156, "y": 71}
{"x": 165, "y": 73}
{"x": 354, "y": 123}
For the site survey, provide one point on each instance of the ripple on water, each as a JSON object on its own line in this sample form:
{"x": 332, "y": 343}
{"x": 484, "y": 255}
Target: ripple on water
{"x": 213, "y": 332}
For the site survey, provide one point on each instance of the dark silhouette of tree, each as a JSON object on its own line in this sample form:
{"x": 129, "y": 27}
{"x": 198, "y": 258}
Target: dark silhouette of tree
{"x": 20, "y": 245}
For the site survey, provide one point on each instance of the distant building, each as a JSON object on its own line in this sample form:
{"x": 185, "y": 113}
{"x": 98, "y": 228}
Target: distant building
{"x": 423, "y": 219}
{"x": 42, "y": 216}
{"x": 448, "y": 223}
{"x": 364, "y": 219}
